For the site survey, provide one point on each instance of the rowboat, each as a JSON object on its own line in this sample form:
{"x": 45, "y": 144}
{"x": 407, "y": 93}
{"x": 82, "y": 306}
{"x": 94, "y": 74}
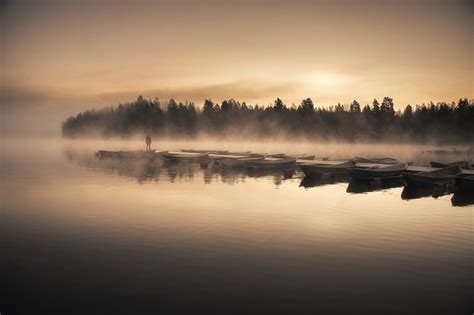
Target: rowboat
{"x": 391, "y": 171}
{"x": 316, "y": 170}
{"x": 269, "y": 162}
{"x": 462, "y": 164}
{"x": 176, "y": 156}
{"x": 277, "y": 155}
{"x": 242, "y": 161}
{"x": 205, "y": 151}
{"x": 303, "y": 156}
{"x": 464, "y": 183}
{"x": 429, "y": 178}
{"x": 453, "y": 151}
{"x": 378, "y": 160}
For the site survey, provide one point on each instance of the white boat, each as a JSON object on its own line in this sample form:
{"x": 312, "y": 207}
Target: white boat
{"x": 184, "y": 155}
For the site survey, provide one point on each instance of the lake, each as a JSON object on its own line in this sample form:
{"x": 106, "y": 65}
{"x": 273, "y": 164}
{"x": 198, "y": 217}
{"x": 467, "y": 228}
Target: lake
{"x": 81, "y": 235}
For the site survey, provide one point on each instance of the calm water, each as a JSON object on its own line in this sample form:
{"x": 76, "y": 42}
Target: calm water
{"x": 80, "y": 235}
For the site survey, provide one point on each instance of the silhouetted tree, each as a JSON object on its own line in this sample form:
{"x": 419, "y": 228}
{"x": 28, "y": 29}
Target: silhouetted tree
{"x": 440, "y": 121}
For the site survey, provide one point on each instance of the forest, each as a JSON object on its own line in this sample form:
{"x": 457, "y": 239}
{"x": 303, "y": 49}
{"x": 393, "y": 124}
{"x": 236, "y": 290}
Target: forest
{"x": 379, "y": 121}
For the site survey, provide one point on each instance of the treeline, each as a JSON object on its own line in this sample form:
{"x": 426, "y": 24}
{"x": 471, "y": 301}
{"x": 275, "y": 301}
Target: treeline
{"x": 438, "y": 122}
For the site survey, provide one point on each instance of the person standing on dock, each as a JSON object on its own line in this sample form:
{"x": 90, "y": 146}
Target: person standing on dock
{"x": 148, "y": 142}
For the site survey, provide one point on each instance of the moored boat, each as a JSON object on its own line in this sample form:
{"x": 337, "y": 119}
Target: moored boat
{"x": 205, "y": 151}
{"x": 431, "y": 177}
{"x": 269, "y": 162}
{"x": 367, "y": 173}
{"x": 242, "y": 161}
{"x": 462, "y": 164}
{"x": 316, "y": 170}
{"x": 184, "y": 155}
{"x": 277, "y": 155}
{"x": 302, "y": 156}
{"x": 376, "y": 160}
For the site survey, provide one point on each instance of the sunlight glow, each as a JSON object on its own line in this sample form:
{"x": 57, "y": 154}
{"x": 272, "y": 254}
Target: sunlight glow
{"x": 327, "y": 79}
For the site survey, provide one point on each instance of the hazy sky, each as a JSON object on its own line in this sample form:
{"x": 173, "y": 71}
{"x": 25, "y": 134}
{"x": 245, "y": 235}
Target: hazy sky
{"x": 96, "y": 53}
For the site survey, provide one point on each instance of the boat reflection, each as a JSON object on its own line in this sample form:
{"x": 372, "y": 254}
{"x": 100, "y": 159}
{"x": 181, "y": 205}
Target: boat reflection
{"x": 462, "y": 199}
{"x": 309, "y": 181}
{"x": 156, "y": 170}
{"x": 422, "y": 191}
{"x": 144, "y": 170}
{"x": 364, "y": 186}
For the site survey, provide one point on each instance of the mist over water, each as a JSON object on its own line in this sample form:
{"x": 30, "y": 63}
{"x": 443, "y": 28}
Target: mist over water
{"x": 83, "y": 235}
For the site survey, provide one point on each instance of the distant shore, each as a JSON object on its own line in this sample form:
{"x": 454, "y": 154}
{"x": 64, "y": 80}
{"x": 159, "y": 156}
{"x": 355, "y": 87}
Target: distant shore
{"x": 379, "y": 122}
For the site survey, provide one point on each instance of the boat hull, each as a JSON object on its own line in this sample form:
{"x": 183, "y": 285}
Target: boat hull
{"x": 272, "y": 164}
{"x": 319, "y": 170}
{"x": 184, "y": 157}
{"x": 367, "y": 174}
{"x": 226, "y": 162}
{"x": 445, "y": 175}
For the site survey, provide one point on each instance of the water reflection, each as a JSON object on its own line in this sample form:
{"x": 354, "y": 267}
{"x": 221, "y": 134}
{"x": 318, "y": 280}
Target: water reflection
{"x": 210, "y": 240}
{"x": 421, "y": 191}
{"x": 143, "y": 170}
{"x": 365, "y": 186}
{"x": 309, "y": 182}
{"x": 462, "y": 199}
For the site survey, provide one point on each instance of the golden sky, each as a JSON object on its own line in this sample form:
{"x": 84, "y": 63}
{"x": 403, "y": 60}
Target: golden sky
{"x": 101, "y": 52}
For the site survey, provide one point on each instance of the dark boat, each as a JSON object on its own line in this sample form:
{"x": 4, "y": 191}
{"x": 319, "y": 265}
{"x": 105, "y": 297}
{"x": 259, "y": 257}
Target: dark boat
{"x": 367, "y": 173}
{"x": 453, "y": 151}
{"x": 237, "y": 162}
{"x": 277, "y": 155}
{"x": 442, "y": 175}
{"x": 464, "y": 183}
{"x": 302, "y": 156}
{"x": 316, "y": 170}
{"x": 378, "y": 160}
{"x": 462, "y": 164}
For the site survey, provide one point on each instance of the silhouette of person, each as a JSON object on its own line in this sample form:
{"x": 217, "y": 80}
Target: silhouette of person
{"x": 148, "y": 142}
